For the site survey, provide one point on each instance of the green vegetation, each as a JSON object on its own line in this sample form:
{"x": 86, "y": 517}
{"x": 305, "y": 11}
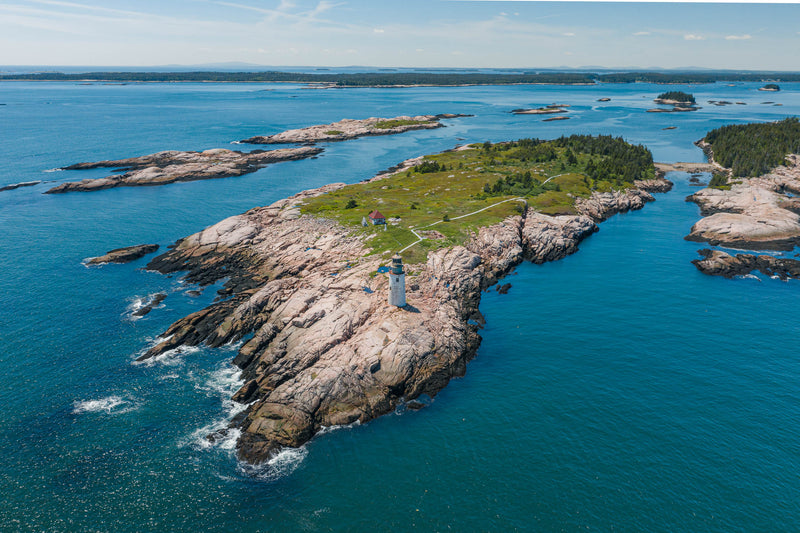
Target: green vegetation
{"x": 333, "y": 132}
{"x": 754, "y": 149}
{"x": 678, "y": 96}
{"x": 388, "y": 124}
{"x": 500, "y": 178}
{"x": 719, "y": 181}
{"x": 771, "y": 87}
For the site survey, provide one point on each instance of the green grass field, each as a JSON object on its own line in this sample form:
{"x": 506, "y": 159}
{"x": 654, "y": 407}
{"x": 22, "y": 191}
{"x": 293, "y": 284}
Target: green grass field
{"x": 456, "y": 183}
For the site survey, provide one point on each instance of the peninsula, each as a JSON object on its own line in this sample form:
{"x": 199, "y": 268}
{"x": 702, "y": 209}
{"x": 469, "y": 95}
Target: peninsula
{"x": 304, "y": 284}
{"x": 347, "y": 129}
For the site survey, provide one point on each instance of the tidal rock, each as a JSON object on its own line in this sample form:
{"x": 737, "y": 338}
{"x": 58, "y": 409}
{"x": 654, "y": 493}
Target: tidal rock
{"x": 347, "y": 129}
{"x": 19, "y": 185}
{"x": 168, "y": 167}
{"x": 123, "y": 255}
{"x": 153, "y": 302}
{"x": 718, "y": 263}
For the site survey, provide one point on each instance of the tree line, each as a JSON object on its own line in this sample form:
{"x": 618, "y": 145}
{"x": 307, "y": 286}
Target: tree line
{"x": 753, "y": 149}
{"x": 411, "y": 78}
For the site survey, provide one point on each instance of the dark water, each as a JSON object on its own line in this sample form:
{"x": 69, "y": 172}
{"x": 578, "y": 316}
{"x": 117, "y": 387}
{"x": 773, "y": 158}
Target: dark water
{"x": 618, "y": 389}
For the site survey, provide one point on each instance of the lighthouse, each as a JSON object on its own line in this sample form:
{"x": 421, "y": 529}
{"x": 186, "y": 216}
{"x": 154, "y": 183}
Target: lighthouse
{"x": 397, "y": 283}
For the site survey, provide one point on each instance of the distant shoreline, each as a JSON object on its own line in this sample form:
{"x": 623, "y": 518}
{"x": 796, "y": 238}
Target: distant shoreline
{"x": 384, "y": 79}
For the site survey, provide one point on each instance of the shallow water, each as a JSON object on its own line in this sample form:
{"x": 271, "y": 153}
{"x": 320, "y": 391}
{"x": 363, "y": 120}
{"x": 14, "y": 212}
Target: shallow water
{"x": 615, "y": 389}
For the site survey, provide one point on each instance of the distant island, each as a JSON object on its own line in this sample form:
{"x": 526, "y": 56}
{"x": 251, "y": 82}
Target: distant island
{"x": 172, "y": 166}
{"x": 770, "y": 87}
{"x": 675, "y": 98}
{"x": 306, "y": 289}
{"x": 347, "y": 129}
{"x": 405, "y": 79}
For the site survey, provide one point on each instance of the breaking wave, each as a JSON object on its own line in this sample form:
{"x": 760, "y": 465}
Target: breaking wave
{"x": 173, "y": 357}
{"x": 283, "y": 464}
{"x": 109, "y": 405}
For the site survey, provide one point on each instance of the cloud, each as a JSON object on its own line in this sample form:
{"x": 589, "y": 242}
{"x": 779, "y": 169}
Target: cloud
{"x": 568, "y": 34}
{"x": 693, "y": 37}
{"x": 378, "y": 30}
{"x": 642, "y": 33}
{"x": 738, "y": 37}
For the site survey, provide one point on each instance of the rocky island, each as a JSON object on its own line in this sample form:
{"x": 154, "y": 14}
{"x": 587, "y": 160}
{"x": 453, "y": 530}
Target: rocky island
{"x": 546, "y": 110}
{"x": 752, "y": 204}
{"x": 322, "y": 347}
{"x": 347, "y": 129}
{"x": 681, "y": 102}
{"x": 168, "y": 167}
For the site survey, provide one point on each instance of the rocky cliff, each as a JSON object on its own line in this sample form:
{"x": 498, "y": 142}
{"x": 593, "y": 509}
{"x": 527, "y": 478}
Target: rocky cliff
{"x": 323, "y": 347}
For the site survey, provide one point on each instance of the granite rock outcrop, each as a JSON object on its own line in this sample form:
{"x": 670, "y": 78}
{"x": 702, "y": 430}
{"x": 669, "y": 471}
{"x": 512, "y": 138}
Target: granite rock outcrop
{"x": 758, "y": 214}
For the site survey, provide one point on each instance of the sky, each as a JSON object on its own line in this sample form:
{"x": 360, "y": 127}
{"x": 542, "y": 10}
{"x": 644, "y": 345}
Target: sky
{"x": 407, "y": 33}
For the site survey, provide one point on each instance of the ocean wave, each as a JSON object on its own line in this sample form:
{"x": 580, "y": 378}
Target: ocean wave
{"x": 53, "y": 170}
{"x": 281, "y": 465}
{"x": 173, "y": 357}
{"x": 139, "y": 302}
{"x": 108, "y": 405}
{"x": 223, "y": 383}
{"x": 328, "y": 429}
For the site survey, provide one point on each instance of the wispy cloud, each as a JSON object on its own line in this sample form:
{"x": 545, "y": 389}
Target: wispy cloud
{"x": 693, "y": 37}
{"x": 638, "y": 33}
{"x": 568, "y": 34}
{"x": 738, "y": 37}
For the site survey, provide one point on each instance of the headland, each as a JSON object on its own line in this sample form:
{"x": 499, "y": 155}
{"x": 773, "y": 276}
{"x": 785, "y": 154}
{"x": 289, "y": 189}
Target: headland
{"x": 304, "y": 287}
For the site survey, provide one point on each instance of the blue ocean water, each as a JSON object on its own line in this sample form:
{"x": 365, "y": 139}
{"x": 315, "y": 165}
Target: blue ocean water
{"x": 617, "y": 389}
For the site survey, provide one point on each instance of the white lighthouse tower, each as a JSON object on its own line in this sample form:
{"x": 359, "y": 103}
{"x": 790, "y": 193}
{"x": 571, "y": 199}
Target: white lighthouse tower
{"x": 397, "y": 283}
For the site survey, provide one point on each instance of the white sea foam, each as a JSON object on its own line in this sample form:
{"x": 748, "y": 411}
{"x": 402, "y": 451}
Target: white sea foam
{"x": 173, "y": 357}
{"x": 223, "y": 383}
{"x": 328, "y": 429}
{"x": 110, "y": 404}
{"x": 53, "y": 170}
{"x": 283, "y": 464}
{"x": 137, "y": 302}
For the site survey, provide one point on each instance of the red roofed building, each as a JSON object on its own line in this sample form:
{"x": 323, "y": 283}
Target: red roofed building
{"x": 377, "y": 218}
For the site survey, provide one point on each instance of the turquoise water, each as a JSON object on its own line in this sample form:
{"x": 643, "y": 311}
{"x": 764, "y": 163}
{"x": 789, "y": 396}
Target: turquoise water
{"x": 617, "y": 389}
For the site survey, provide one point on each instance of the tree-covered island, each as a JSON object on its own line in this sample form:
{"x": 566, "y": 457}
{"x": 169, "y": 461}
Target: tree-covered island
{"x": 675, "y": 98}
